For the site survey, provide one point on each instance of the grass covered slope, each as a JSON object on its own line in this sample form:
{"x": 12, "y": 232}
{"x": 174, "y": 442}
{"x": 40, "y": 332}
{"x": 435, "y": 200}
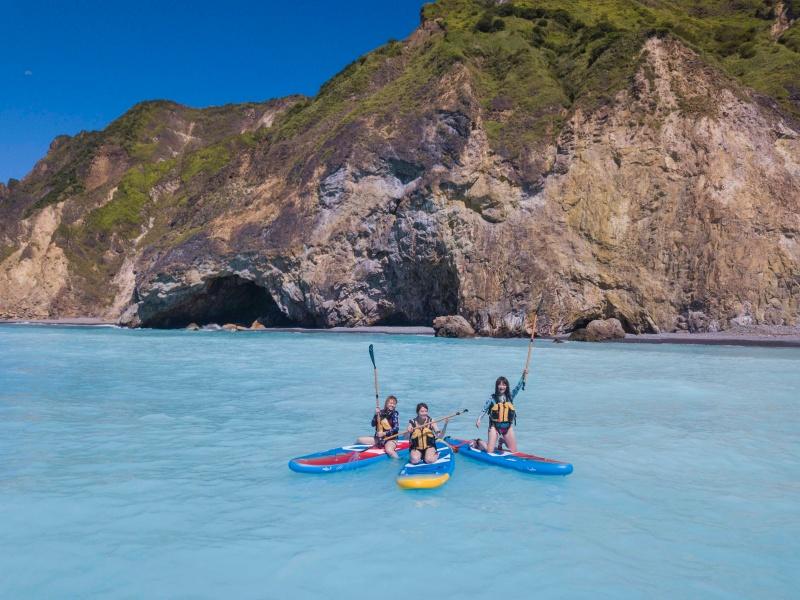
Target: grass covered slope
{"x": 530, "y": 63}
{"x": 140, "y": 175}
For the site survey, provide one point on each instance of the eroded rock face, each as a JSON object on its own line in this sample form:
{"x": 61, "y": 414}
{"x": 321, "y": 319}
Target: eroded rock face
{"x": 675, "y": 206}
{"x": 453, "y": 326}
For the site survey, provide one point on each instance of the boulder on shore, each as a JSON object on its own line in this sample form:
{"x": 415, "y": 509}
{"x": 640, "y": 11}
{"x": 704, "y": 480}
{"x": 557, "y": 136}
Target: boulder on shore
{"x": 257, "y": 325}
{"x": 231, "y": 327}
{"x": 598, "y": 331}
{"x": 193, "y": 327}
{"x": 453, "y": 326}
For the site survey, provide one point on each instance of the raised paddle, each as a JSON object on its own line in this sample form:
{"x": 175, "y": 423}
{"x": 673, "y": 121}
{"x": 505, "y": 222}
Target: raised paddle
{"x": 530, "y": 343}
{"x": 378, "y": 427}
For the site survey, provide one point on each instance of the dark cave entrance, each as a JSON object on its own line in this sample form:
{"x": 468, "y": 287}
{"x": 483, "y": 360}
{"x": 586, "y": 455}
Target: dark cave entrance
{"x": 227, "y": 299}
{"x": 422, "y": 292}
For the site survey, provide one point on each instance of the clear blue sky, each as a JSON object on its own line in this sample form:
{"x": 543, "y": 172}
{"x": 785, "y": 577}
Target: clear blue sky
{"x": 71, "y": 65}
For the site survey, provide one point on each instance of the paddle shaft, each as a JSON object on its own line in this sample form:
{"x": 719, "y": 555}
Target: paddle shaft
{"x": 530, "y": 342}
{"x": 426, "y": 424}
{"x": 377, "y": 395}
{"x": 378, "y": 427}
{"x": 530, "y": 346}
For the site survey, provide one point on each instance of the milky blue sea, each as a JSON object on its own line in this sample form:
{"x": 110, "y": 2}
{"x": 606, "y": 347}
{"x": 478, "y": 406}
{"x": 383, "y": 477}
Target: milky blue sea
{"x": 152, "y": 464}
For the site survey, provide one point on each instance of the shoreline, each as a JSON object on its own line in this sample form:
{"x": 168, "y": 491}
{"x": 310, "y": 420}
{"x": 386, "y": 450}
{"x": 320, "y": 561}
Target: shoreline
{"x": 722, "y": 338}
{"x": 788, "y": 338}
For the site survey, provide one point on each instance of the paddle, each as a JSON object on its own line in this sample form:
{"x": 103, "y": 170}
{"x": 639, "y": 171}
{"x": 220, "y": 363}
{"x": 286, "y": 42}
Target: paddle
{"x": 530, "y": 343}
{"x": 378, "y": 427}
{"x": 460, "y": 412}
{"x": 455, "y": 447}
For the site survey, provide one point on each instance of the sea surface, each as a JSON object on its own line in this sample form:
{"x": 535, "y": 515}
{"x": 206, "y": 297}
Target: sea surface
{"x": 153, "y": 464}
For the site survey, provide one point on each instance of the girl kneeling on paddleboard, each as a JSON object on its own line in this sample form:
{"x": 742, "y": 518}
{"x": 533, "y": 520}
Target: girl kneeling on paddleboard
{"x": 502, "y": 414}
{"x": 422, "y": 433}
{"x": 389, "y": 420}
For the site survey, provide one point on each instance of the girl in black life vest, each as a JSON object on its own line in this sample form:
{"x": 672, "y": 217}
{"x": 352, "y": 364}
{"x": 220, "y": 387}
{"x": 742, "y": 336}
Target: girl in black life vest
{"x": 422, "y": 433}
{"x": 389, "y": 420}
{"x": 502, "y": 414}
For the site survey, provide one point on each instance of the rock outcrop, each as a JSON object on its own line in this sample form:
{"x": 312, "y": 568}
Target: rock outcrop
{"x": 599, "y": 331}
{"x": 457, "y": 172}
{"x": 453, "y": 326}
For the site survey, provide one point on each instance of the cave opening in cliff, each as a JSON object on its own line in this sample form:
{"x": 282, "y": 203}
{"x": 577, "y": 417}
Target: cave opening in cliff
{"x": 226, "y": 299}
{"x": 422, "y": 292}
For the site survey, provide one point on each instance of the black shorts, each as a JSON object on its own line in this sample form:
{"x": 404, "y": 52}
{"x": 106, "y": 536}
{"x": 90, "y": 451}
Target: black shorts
{"x": 431, "y": 447}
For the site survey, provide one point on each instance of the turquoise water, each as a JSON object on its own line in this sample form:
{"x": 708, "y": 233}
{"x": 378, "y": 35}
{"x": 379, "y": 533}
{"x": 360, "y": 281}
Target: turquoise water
{"x": 153, "y": 464}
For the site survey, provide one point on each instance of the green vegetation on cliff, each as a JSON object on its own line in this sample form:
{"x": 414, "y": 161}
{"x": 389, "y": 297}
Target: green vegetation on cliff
{"x": 530, "y": 62}
{"x": 123, "y": 214}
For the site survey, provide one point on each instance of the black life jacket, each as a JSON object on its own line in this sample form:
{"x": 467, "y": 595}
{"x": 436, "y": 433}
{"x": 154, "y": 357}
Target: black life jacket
{"x": 422, "y": 436}
{"x": 502, "y": 412}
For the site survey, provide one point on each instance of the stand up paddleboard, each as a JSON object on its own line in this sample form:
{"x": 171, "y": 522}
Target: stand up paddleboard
{"x": 426, "y": 476}
{"x": 519, "y": 461}
{"x": 344, "y": 458}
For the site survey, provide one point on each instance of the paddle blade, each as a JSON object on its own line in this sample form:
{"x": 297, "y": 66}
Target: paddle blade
{"x": 372, "y": 356}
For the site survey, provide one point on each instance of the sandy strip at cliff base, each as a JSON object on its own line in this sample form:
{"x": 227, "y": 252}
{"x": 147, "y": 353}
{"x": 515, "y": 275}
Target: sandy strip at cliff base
{"x": 722, "y": 338}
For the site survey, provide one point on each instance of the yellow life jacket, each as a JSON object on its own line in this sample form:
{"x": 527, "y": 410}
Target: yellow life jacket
{"x": 503, "y": 413}
{"x": 423, "y": 437}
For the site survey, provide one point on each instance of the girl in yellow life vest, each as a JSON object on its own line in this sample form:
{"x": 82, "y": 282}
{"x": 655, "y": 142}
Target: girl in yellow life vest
{"x": 386, "y": 422}
{"x": 502, "y": 414}
{"x": 422, "y": 433}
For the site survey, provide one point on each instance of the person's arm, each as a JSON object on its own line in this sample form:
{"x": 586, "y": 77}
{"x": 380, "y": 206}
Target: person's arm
{"x": 444, "y": 429}
{"x": 485, "y": 411}
{"x": 520, "y": 385}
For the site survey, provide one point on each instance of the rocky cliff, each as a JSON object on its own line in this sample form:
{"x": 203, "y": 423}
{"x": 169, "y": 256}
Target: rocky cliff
{"x": 640, "y": 162}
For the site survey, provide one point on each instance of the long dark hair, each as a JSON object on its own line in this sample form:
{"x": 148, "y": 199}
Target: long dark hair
{"x": 421, "y": 405}
{"x": 507, "y": 393}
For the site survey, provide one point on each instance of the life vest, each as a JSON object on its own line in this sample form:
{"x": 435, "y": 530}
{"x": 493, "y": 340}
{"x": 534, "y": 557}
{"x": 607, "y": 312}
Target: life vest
{"x": 384, "y": 424}
{"x": 422, "y": 437}
{"x": 502, "y": 413}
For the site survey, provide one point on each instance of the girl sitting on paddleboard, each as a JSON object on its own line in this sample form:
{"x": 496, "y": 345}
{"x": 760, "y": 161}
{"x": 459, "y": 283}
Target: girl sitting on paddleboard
{"x": 422, "y": 433}
{"x": 389, "y": 426}
{"x": 502, "y": 415}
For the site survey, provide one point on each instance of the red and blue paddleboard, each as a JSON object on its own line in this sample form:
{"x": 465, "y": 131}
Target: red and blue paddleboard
{"x": 344, "y": 458}
{"x": 519, "y": 461}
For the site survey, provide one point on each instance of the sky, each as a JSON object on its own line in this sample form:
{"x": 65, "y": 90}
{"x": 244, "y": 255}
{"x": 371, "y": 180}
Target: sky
{"x": 69, "y": 66}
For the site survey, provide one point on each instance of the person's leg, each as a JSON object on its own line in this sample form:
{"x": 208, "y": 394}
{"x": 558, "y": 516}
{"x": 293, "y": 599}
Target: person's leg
{"x": 431, "y": 455}
{"x": 391, "y": 448}
{"x": 414, "y": 456}
{"x": 511, "y": 439}
{"x": 491, "y": 444}
{"x": 479, "y": 444}
{"x": 366, "y": 439}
